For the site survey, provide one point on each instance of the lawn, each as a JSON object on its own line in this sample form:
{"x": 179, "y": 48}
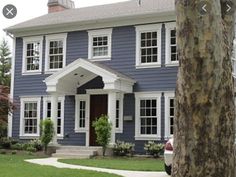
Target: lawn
{"x": 134, "y": 164}
{"x": 14, "y": 166}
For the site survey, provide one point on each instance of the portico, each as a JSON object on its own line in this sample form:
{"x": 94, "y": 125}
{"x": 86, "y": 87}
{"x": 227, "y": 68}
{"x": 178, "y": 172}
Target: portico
{"x": 69, "y": 79}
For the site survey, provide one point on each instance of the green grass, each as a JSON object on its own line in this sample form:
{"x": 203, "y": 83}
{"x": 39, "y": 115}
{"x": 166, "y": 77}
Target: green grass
{"x": 14, "y": 166}
{"x": 133, "y": 164}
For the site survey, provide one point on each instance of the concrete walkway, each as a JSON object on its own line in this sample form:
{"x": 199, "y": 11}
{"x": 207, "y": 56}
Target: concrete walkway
{"x": 53, "y": 162}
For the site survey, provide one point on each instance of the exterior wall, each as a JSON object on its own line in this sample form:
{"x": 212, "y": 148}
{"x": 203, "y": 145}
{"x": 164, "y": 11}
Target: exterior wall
{"x": 123, "y": 60}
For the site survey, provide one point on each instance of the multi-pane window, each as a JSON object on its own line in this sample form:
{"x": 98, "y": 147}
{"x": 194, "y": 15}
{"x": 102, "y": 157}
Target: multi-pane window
{"x": 149, "y": 47}
{"x": 148, "y": 116}
{"x": 173, "y": 46}
{"x": 56, "y": 54}
{"x": 30, "y": 118}
{"x": 32, "y": 56}
{"x": 117, "y": 113}
{"x": 171, "y": 114}
{"x": 49, "y": 109}
{"x": 100, "y": 46}
{"x": 82, "y": 113}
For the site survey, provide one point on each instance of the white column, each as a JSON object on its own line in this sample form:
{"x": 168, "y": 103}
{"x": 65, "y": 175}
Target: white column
{"x": 54, "y": 107}
{"x": 112, "y": 114}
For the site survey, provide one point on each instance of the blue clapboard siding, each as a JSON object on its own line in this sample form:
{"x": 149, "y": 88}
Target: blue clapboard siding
{"x": 123, "y": 60}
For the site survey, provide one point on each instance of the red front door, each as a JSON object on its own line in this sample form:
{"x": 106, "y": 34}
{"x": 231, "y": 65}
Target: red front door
{"x": 98, "y": 106}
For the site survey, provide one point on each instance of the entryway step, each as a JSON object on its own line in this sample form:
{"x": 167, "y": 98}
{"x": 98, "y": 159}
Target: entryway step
{"x": 81, "y": 152}
{"x": 71, "y": 156}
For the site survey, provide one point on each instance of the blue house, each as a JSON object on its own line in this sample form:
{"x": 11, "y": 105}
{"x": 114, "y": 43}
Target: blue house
{"x": 73, "y": 65}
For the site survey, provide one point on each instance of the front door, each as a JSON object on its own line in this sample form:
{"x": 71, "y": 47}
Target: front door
{"x": 98, "y": 106}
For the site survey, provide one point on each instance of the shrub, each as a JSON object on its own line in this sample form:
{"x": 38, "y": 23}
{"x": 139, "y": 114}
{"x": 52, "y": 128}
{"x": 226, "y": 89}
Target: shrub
{"x": 3, "y": 129}
{"x": 5, "y": 143}
{"x": 17, "y": 146}
{"x": 122, "y": 148}
{"x": 103, "y": 132}
{"x": 3, "y": 152}
{"x": 37, "y": 144}
{"x": 47, "y": 132}
{"x": 153, "y": 148}
{"x": 31, "y": 149}
{"x": 13, "y": 152}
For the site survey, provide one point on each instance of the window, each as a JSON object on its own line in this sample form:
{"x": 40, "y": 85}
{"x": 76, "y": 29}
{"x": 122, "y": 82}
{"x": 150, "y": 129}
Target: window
{"x": 147, "y": 116}
{"x": 148, "y": 46}
{"x": 169, "y": 113}
{"x": 55, "y": 52}
{"x": 119, "y": 112}
{"x": 100, "y": 44}
{"x": 81, "y": 113}
{"x": 234, "y": 59}
{"x": 171, "y": 45}
{"x": 32, "y": 55}
{"x": 60, "y": 113}
{"x": 30, "y": 117}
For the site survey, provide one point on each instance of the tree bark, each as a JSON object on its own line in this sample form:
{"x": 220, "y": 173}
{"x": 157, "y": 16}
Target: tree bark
{"x": 204, "y": 122}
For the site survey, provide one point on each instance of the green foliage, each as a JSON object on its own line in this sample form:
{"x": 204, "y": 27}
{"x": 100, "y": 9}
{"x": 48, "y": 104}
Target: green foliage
{"x": 3, "y": 129}
{"x": 153, "y": 148}
{"x": 3, "y": 152}
{"x": 47, "y": 132}
{"x": 5, "y": 143}
{"x": 13, "y": 152}
{"x": 103, "y": 131}
{"x": 17, "y": 146}
{"x": 37, "y": 144}
{"x": 5, "y": 63}
{"x": 31, "y": 149}
{"x": 122, "y": 148}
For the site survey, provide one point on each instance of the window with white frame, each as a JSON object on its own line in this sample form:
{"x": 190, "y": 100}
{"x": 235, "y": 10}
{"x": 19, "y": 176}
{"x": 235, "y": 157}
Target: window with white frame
{"x": 55, "y": 52}
{"x": 171, "y": 45}
{"x": 32, "y": 55}
{"x": 60, "y": 113}
{"x": 148, "y": 46}
{"x": 169, "y": 113}
{"x": 30, "y": 116}
{"x": 81, "y": 113}
{"x": 119, "y": 112}
{"x": 100, "y": 44}
{"x": 234, "y": 58}
{"x": 148, "y": 116}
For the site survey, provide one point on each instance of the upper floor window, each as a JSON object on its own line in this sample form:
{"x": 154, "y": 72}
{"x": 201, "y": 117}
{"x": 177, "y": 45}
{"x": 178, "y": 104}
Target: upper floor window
{"x": 148, "y": 46}
{"x": 55, "y": 52}
{"x": 32, "y": 55}
{"x": 171, "y": 45}
{"x": 100, "y": 44}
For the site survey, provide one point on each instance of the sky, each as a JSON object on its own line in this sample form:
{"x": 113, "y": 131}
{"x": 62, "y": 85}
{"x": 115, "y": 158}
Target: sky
{"x": 28, "y": 9}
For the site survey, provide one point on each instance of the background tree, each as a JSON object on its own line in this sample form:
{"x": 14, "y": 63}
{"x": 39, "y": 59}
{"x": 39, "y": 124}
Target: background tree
{"x": 205, "y": 119}
{"x": 5, "y": 64}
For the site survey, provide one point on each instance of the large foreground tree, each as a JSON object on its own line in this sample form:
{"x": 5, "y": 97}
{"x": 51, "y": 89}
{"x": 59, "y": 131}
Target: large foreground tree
{"x": 205, "y": 118}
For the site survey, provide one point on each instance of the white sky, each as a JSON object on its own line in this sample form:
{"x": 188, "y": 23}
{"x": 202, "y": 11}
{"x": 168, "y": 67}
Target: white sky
{"x": 28, "y": 9}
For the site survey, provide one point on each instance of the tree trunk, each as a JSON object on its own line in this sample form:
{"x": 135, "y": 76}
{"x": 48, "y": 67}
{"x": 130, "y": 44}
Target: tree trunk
{"x": 204, "y": 123}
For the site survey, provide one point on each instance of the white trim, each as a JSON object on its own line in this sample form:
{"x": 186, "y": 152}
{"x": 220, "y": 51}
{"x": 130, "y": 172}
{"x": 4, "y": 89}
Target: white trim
{"x": 26, "y": 100}
{"x": 120, "y": 97}
{"x": 168, "y": 96}
{"x": 148, "y": 28}
{"x": 61, "y": 99}
{"x": 63, "y": 38}
{"x": 168, "y": 62}
{"x": 234, "y": 59}
{"x": 146, "y": 95}
{"x": 27, "y": 40}
{"x": 99, "y": 33}
{"x": 86, "y": 98}
{"x": 10, "y": 116}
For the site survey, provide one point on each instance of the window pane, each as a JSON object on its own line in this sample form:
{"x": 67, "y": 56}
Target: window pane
{"x": 32, "y": 56}
{"x": 56, "y": 54}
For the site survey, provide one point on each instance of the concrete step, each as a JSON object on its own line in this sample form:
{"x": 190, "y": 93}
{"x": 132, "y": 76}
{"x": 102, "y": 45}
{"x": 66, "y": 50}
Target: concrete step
{"x": 95, "y": 148}
{"x": 71, "y": 156}
{"x": 79, "y": 152}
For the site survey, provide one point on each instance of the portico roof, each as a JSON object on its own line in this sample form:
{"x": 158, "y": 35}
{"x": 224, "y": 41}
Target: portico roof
{"x": 79, "y": 72}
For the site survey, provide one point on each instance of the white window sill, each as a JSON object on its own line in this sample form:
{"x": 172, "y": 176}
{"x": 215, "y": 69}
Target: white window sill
{"x": 31, "y": 73}
{"x": 118, "y": 131}
{"x": 81, "y": 130}
{"x": 171, "y": 64}
{"x": 100, "y": 59}
{"x": 26, "y": 137}
{"x": 52, "y": 71}
{"x": 147, "y": 138}
{"x": 151, "y": 65}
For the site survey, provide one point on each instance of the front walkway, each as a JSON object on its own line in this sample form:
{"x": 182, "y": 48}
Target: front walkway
{"x": 53, "y": 162}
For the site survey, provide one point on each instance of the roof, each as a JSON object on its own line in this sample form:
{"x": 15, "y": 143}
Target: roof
{"x": 96, "y": 13}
